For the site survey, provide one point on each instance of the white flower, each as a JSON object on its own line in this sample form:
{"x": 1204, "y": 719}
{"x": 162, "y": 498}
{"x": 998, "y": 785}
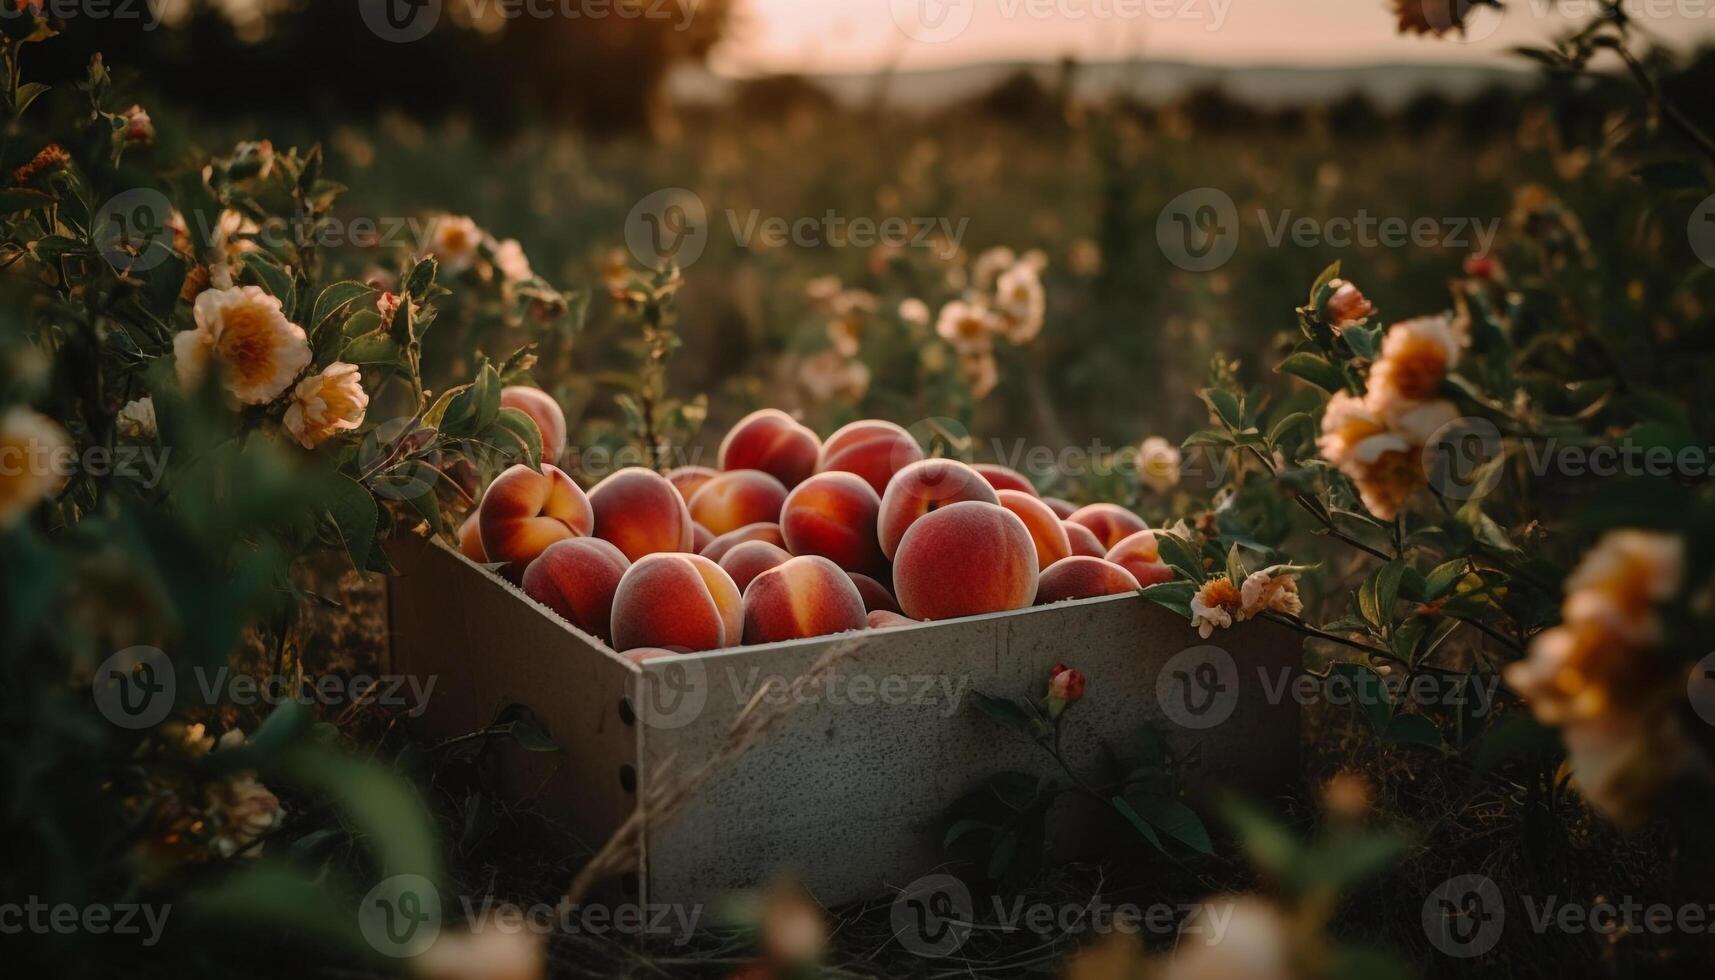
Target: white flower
{"x": 35, "y": 459}
{"x": 1264, "y": 591}
{"x": 967, "y": 326}
{"x": 1021, "y": 303}
{"x": 325, "y": 404}
{"x": 914, "y": 312}
{"x": 1415, "y": 356}
{"x": 509, "y": 258}
{"x": 453, "y": 240}
{"x": 990, "y": 264}
{"x": 1214, "y": 605}
{"x": 1158, "y": 464}
{"x": 823, "y": 289}
{"x": 1242, "y": 939}
{"x": 137, "y": 419}
{"x": 827, "y": 375}
{"x": 246, "y": 332}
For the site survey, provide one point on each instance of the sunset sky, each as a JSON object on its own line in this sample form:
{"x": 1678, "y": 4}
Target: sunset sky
{"x": 863, "y": 35}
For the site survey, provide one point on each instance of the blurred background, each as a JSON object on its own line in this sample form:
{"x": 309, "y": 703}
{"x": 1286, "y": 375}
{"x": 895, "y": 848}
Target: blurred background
{"x": 1055, "y": 128}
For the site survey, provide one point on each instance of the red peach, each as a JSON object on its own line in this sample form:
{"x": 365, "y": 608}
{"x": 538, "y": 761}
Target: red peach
{"x": 689, "y": 479}
{"x": 923, "y": 487}
{"x": 807, "y": 596}
{"x": 1045, "y": 529}
{"x": 674, "y": 600}
{"x": 1110, "y": 522}
{"x": 736, "y": 498}
{"x": 875, "y": 595}
{"x": 545, "y": 412}
{"x": 577, "y": 578}
{"x": 1081, "y": 577}
{"x": 882, "y": 619}
{"x": 965, "y": 559}
{"x": 638, "y": 510}
{"x": 1062, "y": 508}
{"x": 773, "y": 442}
{"x": 871, "y": 448}
{"x": 470, "y": 540}
{"x": 834, "y": 515}
{"x": 525, "y": 511}
{"x": 751, "y": 558}
{"x": 762, "y": 531}
{"x": 1083, "y": 540}
{"x": 1139, "y": 555}
{"x": 1005, "y": 478}
{"x": 701, "y": 537}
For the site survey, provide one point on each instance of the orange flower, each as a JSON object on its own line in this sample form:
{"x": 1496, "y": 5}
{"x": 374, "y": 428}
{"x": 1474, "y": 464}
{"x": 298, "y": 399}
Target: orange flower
{"x": 1415, "y": 356}
{"x": 247, "y": 333}
{"x": 326, "y": 404}
{"x": 1214, "y": 605}
{"x": 1347, "y": 307}
{"x": 1266, "y": 591}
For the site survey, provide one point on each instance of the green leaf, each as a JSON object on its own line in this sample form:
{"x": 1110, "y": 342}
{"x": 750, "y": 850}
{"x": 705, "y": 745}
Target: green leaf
{"x": 1136, "y": 820}
{"x": 1267, "y": 843}
{"x": 1236, "y": 566}
{"x": 286, "y": 899}
{"x": 1315, "y": 370}
{"x": 1286, "y": 424}
{"x": 1177, "y": 820}
{"x": 1319, "y": 289}
{"x": 1225, "y": 405}
{"x": 421, "y": 279}
{"x": 273, "y": 277}
{"x": 1177, "y": 553}
{"x": 1366, "y": 342}
{"x": 1346, "y": 860}
{"x": 354, "y": 514}
{"x": 1005, "y": 711}
{"x": 1441, "y": 580}
{"x": 380, "y": 805}
{"x": 28, "y": 93}
{"x": 521, "y": 435}
{"x": 338, "y": 297}
{"x": 1387, "y": 587}
{"x": 15, "y": 199}
{"x": 531, "y": 737}
{"x": 1207, "y": 437}
{"x": 1172, "y": 595}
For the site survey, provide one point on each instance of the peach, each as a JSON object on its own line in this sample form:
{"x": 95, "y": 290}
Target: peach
{"x": 834, "y": 515}
{"x": 1082, "y": 577}
{"x": 875, "y": 595}
{"x": 881, "y": 619}
{"x": 1005, "y": 478}
{"x": 577, "y": 578}
{"x": 526, "y": 510}
{"x": 762, "y": 531}
{"x": 470, "y": 540}
{"x": 689, "y": 479}
{"x": 1062, "y": 508}
{"x": 673, "y": 600}
{"x": 545, "y": 412}
{"x": 871, "y": 448}
{"x": 806, "y": 596}
{"x": 1045, "y": 529}
{"x": 1083, "y": 540}
{"x": 638, "y": 510}
{"x": 1139, "y": 555}
{"x": 751, "y": 558}
{"x": 1110, "y": 522}
{"x": 965, "y": 559}
{"x": 923, "y": 487}
{"x": 701, "y": 537}
{"x": 773, "y": 442}
{"x": 736, "y": 498}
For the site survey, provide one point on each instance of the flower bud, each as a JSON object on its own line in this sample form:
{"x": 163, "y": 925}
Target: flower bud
{"x": 1065, "y": 687}
{"x": 1347, "y": 306}
{"x": 139, "y": 129}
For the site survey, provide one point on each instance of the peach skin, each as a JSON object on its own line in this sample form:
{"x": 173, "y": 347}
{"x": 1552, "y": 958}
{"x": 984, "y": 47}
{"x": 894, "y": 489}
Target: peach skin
{"x": 638, "y": 510}
{"x": 834, "y": 515}
{"x": 701, "y": 537}
{"x": 1139, "y": 555}
{"x": 1110, "y": 522}
{"x": 773, "y": 442}
{"x": 1045, "y": 529}
{"x": 716, "y": 549}
{"x": 545, "y": 412}
{"x": 807, "y": 596}
{"x": 749, "y": 559}
{"x": 673, "y": 600}
{"x": 1061, "y": 508}
{"x": 875, "y": 595}
{"x": 921, "y": 488}
{"x": 1083, "y": 540}
{"x": 577, "y": 578}
{"x": 882, "y": 619}
{"x": 871, "y": 448}
{"x": 1082, "y": 577}
{"x": 525, "y": 511}
{"x": 1005, "y": 478}
{"x": 470, "y": 540}
{"x": 736, "y": 498}
{"x": 965, "y": 559}
{"x": 689, "y": 479}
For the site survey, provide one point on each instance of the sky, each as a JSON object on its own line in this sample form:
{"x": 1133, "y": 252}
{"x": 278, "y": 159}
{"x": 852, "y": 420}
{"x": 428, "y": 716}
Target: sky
{"x": 820, "y": 36}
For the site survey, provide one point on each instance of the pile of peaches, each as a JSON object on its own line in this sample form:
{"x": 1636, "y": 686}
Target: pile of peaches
{"x": 793, "y": 537}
